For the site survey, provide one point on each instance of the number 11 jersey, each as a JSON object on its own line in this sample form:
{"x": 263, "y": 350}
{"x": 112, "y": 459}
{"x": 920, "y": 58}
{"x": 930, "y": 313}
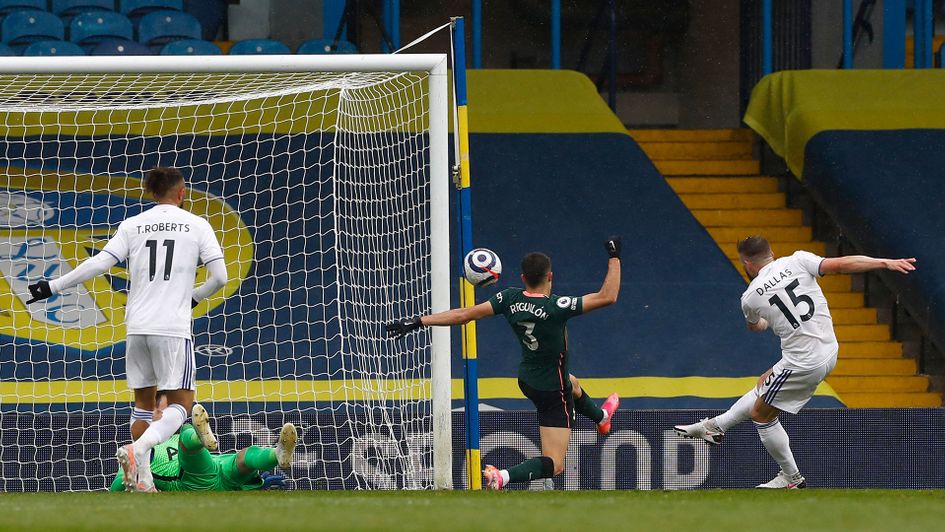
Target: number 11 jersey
{"x": 787, "y": 296}
{"x": 162, "y": 246}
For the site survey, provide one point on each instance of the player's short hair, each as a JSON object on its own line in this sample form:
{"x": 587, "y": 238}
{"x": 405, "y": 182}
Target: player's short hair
{"x": 754, "y": 247}
{"x": 158, "y": 395}
{"x": 535, "y": 266}
{"x": 161, "y": 180}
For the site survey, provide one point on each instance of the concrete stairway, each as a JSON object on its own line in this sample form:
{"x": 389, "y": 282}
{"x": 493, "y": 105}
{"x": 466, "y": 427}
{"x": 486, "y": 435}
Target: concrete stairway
{"x": 714, "y": 174}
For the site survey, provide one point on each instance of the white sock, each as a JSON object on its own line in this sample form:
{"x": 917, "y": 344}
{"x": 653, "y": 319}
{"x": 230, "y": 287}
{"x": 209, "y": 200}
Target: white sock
{"x": 505, "y": 476}
{"x": 159, "y": 432}
{"x": 739, "y": 412}
{"x": 778, "y": 444}
{"x": 140, "y": 414}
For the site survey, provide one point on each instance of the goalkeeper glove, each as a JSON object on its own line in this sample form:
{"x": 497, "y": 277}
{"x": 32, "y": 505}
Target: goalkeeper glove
{"x": 613, "y": 247}
{"x": 273, "y": 481}
{"x": 399, "y": 329}
{"x": 39, "y": 291}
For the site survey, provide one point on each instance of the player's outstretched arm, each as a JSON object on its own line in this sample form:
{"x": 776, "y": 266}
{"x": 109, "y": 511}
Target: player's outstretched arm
{"x": 862, "y": 263}
{"x": 607, "y": 295}
{"x": 456, "y": 316}
{"x": 90, "y": 268}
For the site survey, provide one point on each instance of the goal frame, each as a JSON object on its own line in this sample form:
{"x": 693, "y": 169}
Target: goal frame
{"x": 436, "y": 66}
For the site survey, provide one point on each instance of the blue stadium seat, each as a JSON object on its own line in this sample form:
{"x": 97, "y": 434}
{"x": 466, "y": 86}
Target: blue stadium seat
{"x": 53, "y": 48}
{"x": 138, "y": 8}
{"x": 6, "y": 50}
{"x": 324, "y": 46}
{"x": 71, "y": 8}
{"x": 161, "y": 27}
{"x": 190, "y": 47}
{"x": 9, "y": 6}
{"x": 120, "y": 47}
{"x": 259, "y": 47}
{"x": 89, "y": 29}
{"x": 25, "y": 27}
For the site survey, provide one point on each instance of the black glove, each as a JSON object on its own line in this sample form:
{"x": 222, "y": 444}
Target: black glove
{"x": 613, "y": 247}
{"x": 39, "y": 291}
{"x": 399, "y": 329}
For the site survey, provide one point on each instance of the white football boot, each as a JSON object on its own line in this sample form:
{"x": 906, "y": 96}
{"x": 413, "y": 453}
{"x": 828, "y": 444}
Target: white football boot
{"x": 700, "y": 431}
{"x": 288, "y": 438}
{"x": 136, "y": 474}
{"x": 785, "y": 482}
{"x": 202, "y": 426}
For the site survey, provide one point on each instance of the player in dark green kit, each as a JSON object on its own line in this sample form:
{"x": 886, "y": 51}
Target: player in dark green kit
{"x": 184, "y": 463}
{"x": 539, "y": 321}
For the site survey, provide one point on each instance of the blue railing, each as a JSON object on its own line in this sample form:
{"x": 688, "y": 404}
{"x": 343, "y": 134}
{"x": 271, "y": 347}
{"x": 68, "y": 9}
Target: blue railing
{"x": 894, "y": 34}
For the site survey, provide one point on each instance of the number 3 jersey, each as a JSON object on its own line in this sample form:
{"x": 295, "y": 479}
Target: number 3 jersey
{"x": 162, "y": 246}
{"x": 787, "y": 296}
{"x": 539, "y": 323}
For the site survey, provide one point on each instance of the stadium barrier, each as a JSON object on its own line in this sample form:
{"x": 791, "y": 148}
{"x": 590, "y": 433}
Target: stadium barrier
{"x": 836, "y": 448}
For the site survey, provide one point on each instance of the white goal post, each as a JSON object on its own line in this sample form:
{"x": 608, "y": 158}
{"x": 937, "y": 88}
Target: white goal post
{"x": 326, "y": 179}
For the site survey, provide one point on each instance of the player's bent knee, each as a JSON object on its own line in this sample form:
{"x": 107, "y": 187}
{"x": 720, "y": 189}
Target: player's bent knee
{"x": 765, "y": 414}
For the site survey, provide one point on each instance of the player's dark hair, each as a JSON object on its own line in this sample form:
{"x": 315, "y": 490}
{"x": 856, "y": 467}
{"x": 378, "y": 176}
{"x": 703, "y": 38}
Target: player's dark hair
{"x": 754, "y": 247}
{"x": 535, "y": 266}
{"x": 161, "y": 180}
{"x": 158, "y": 395}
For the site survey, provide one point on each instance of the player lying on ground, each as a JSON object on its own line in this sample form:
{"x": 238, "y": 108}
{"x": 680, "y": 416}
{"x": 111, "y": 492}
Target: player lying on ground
{"x": 163, "y": 246}
{"x": 184, "y": 463}
{"x": 539, "y": 321}
{"x": 784, "y": 296}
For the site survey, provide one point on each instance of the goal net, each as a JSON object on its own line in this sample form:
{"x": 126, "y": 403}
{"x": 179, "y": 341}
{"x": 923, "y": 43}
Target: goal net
{"x": 325, "y": 180}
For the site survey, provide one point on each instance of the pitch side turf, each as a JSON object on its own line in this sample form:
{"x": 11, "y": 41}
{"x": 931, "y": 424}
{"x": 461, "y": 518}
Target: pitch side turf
{"x": 716, "y": 510}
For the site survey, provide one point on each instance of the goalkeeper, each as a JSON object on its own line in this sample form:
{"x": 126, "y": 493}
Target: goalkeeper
{"x": 184, "y": 463}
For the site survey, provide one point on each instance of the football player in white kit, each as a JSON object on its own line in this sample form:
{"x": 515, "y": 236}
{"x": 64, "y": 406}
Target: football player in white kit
{"x": 784, "y": 296}
{"x": 163, "y": 246}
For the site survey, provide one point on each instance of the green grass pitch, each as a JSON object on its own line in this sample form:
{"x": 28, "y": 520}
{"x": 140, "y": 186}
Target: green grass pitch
{"x": 716, "y": 510}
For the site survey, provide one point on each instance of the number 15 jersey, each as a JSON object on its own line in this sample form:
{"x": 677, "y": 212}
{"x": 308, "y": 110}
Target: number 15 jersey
{"x": 162, "y": 246}
{"x": 787, "y": 296}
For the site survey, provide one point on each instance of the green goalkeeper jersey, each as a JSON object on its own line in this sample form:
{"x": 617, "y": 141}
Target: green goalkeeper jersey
{"x": 175, "y": 469}
{"x": 539, "y": 322}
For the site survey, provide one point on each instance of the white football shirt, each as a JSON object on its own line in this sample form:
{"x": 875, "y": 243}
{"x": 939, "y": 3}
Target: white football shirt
{"x": 162, "y": 246}
{"x": 787, "y": 296}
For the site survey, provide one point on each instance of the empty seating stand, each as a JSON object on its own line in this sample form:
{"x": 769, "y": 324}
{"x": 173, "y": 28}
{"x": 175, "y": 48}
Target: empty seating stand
{"x": 120, "y": 47}
{"x": 21, "y": 28}
{"x": 161, "y": 27}
{"x": 9, "y": 6}
{"x": 89, "y": 29}
{"x": 135, "y": 9}
{"x": 259, "y": 47}
{"x": 327, "y": 46}
{"x": 53, "y": 48}
{"x": 190, "y": 47}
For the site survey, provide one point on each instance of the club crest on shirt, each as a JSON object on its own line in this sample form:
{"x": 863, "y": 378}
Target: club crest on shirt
{"x": 51, "y": 222}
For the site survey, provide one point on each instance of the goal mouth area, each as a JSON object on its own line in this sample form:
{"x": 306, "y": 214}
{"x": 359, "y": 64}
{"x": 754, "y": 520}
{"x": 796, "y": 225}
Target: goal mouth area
{"x": 330, "y": 201}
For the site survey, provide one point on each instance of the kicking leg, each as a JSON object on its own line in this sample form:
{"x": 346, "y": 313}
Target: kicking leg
{"x": 586, "y": 407}
{"x": 713, "y": 430}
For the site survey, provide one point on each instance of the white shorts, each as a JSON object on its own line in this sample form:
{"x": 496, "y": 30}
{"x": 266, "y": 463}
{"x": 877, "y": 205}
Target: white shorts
{"x": 788, "y": 389}
{"x": 163, "y": 361}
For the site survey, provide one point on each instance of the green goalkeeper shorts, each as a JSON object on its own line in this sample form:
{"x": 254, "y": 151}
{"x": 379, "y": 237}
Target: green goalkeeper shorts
{"x": 230, "y": 478}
